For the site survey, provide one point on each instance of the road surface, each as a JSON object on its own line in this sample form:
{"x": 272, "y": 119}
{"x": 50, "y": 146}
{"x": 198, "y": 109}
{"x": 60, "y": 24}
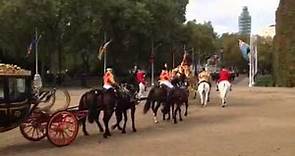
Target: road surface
{"x": 257, "y": 122}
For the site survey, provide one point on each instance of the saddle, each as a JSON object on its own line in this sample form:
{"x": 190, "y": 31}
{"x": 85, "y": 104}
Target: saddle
{"x": 205, "y": 82}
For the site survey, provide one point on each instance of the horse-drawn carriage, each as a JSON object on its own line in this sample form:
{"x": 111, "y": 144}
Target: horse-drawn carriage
{"x": 31, "y": 112}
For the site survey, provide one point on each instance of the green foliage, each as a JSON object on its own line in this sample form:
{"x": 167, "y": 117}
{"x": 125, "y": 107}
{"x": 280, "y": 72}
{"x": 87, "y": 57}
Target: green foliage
{"x": 264, "y": 81}
{"x": 72, "y": 31}
{"x": 265, "y": 50}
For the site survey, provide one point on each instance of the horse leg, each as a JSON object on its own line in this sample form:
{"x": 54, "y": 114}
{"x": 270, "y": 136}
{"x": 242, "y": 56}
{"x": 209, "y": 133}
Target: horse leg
{"x": 125, "y": 122}
{"x": 83, "y": 121}
{"x": 155, "y": 112}
{"x": 119, "y": 119}
{"x": 206, "y": 98}
{"x": 202, "y": 98}
{"x": 169, "y": 114}
{"x": 179, "y": 111}
{"x": 98, "y": 123}
{"x": 195, "y": 92}
{"x": 133, "y": 118}
{"x": 186, "y": 108}
{"x": 174, "y": 111}
{"x": 106, "y": 118}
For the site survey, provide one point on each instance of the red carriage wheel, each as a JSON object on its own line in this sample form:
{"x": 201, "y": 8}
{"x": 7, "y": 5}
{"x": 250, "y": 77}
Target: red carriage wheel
{"x": 62, "y": 128}
{"x": 34, "y": 127}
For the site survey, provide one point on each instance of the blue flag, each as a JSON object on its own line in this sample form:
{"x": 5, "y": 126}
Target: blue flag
{"x": 245, "y": 49}
{"x": 31, "y": 46}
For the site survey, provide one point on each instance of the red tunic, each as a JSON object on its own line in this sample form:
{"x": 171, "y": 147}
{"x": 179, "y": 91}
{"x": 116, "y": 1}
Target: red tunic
{"x": 164, "y": 75}
{"x": 140, "y": 77}
{"x": 224, "y": 74}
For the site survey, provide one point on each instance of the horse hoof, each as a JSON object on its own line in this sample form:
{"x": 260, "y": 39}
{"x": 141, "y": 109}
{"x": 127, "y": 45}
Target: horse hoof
{"x": 86, "y": 134}
{"x": 223, "y": 106}
{"x": 156, "y": 122}
{"x": 180, "y": 120}
{"x": 105, "y": 136}
{"x": 123, "y": 132}
{"x": 134, "y": 130}
{"x": 114, "y": 127}
{"x": 185, "y": 114}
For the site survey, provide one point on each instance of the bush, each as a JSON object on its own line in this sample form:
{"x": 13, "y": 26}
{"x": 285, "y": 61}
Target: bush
{"x": 264, "y": 80}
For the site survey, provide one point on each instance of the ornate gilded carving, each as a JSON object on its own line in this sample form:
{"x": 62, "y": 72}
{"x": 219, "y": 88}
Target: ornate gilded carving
{"x": 8, "y": 69}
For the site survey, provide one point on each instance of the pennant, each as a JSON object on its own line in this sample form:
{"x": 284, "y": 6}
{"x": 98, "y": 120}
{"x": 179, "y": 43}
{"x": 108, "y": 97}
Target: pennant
{"x": 30, "y": 48}
{"x": 32, "y": 45}
{"x": 187, "y": 60}
{"x": 103, "y": 49}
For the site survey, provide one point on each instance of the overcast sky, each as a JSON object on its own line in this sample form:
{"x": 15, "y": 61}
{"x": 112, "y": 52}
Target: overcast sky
{"x": 224, "y": 13}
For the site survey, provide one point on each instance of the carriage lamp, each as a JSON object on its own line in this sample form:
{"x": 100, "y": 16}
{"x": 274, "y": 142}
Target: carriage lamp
{"x": 37, "y": 83}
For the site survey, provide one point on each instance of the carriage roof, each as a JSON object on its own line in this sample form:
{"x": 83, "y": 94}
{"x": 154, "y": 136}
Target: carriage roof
{"x": 13, "y": 70}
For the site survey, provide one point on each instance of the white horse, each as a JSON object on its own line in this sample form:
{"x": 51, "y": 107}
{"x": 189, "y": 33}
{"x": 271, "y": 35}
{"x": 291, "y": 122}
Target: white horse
{"x": 224, "y": 88}
{"x": 203, "y": 90}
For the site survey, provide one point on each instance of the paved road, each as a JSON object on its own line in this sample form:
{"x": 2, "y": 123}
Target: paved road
{"x": 258, "y": 122}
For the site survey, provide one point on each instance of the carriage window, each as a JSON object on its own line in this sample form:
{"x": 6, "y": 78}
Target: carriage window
{"x": 1, "y": 89}
{"x": 17, "y": 88}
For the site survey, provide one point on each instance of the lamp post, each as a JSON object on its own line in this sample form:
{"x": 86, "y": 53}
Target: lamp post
{"x": 152, "y": 62}
{"x": 37, "y": 82}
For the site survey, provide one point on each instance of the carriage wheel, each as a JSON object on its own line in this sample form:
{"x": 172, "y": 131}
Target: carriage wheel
{"x": 33, "y": 128}
{"x": 62, "y": 128}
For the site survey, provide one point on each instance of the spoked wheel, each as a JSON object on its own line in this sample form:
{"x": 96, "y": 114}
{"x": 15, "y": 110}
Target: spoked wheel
{"x": 62, "y": 128}
{"x": 34, "y": 127}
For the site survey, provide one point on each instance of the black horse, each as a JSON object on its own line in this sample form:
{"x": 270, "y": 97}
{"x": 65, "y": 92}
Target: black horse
{"x": 106, "y": 101}
{"x": 92, "y": 97}
{"x": 179, "y": 97}
{"x": 126, "y": 101}
{"x": 158, "y": 96}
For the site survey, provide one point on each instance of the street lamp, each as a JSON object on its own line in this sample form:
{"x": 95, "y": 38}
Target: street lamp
{"x": 37, "y": 82}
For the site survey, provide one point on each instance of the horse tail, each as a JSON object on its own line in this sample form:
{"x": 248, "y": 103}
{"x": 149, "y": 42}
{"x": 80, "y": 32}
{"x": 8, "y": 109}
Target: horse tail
{"x": 92, "y": 105}
{"x": 204, "y": 87}
{"x": 147, "y": 106}
{"x": 82, "y": 104}
{"x": 148, "y": 102}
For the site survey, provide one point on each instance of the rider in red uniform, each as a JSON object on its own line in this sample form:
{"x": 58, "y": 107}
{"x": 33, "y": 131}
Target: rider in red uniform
{"x": 224, "y": 74}
{"x": 140, "y": 75}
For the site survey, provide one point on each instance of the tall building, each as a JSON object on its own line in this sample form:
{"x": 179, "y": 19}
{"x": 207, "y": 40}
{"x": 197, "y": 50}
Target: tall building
{"x": 245, "y": 22}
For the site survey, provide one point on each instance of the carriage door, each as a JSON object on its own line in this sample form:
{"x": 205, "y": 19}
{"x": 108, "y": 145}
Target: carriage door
{"x": 3, "y": 103}
{"x": 19, "y": 106}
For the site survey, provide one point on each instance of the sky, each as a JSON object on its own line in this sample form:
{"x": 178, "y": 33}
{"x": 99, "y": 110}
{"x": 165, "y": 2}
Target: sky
{"x": 224, "y": 13}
